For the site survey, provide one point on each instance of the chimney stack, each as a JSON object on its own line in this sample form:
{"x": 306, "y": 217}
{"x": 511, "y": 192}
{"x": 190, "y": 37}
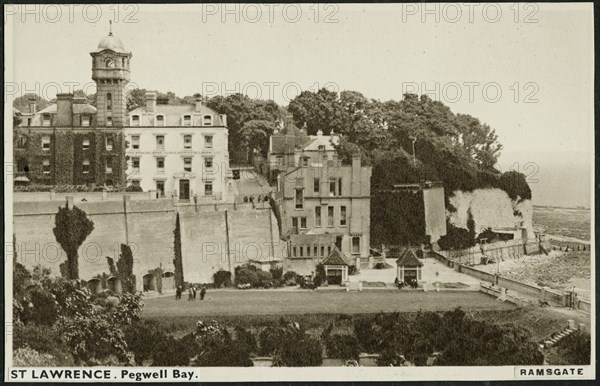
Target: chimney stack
{"x": 32, "y": 104}
{"x": 64, "y": 109}
{"x": 150, "y": 99}
{"x": 199, "y": 102}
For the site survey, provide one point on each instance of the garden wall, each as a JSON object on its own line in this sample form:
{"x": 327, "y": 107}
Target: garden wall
{"x": 147, "y": 225}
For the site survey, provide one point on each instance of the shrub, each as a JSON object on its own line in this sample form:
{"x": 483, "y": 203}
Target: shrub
{"x": 143, "y": 339}
{"x": 222, "y": 279}
{"x": 43, "y": 309}
{"x": 245, "y": 340}
{"x": 290, "y": 276}
{"x": 303, "y": 352}
{"x": 342, "y": 346}
{"x": 380, "y": 266}
{"x": 44, "y": 340}
{"x": 249, "y": 274}
{"x": 173, "y": 352}
{"x": 28, "y": 357}
{"x": 366, "y": 334}
{"x": 133, "y": 188}
{"x": 352, "y": 270}
{"x": 277, "y": 273}
{"x": 270, "y": 339}
{"x": 576, "y": 348}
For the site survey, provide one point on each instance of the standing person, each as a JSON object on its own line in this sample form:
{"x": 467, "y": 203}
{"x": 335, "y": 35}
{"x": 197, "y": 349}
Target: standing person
{"x": 190, "y": 294}
{"x": 178, "y": 293}
{"x": 202, "y": 293}
{"x": 194, "y": 292}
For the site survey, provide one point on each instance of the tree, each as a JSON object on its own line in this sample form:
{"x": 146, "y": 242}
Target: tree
{"x": 178, "y": 259}
{"x": 256, "y": 134}
{"x": 71, "y": 229}
{"x": 123, "y": 269}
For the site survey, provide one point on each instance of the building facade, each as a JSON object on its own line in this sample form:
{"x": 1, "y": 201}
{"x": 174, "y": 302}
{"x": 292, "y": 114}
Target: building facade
{"x": 179, "y": 150}
{"x": 324, "y": 204}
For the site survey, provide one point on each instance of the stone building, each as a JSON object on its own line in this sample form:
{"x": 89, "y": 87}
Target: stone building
{"x": 324, "y": 199}
{"x": 72, "y": 142}
{"x": 179, "y": 150}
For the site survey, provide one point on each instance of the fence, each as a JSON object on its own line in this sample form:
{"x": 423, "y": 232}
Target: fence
{"x": 566, "y": 299}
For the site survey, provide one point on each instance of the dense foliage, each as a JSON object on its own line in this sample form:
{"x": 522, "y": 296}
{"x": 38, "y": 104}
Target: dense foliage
{"x": 576, "y": 348}
{"x": 250, "y": 274}
{"x": 123, "y": 270}
{"x": 222, "y": 278}
{"x": 459, "y": 340}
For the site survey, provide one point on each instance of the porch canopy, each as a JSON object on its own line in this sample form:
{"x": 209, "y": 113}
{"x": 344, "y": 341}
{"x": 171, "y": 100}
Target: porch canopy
{"x": 409, "y": 266}
{"x": 336, "y": 267}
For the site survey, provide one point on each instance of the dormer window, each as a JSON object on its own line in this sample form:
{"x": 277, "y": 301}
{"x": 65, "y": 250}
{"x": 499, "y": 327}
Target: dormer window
{"x": 85, "y": 120}
{"x": 46, "y": 120}
{"x": 135, "y": 120}
{"x": 187, "y": 120}
{"x": 160, "y": 120}
{"x": 207, "y": 120}
{"x": 321, "y": 147}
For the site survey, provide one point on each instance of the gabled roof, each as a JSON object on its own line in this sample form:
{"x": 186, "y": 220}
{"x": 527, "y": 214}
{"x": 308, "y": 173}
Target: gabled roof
{"x": 326, "y": 141}
{"x": 409, "y": 259}
{"x": 286, "y": 144}
{"x": 336, "y": 257}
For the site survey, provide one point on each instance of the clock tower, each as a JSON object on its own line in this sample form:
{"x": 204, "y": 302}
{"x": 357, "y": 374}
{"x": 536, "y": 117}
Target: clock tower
{"x": 110, "y": 71}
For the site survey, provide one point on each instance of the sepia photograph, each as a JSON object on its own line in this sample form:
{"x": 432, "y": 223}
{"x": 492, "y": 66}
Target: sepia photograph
{"x": 327, "y": 192}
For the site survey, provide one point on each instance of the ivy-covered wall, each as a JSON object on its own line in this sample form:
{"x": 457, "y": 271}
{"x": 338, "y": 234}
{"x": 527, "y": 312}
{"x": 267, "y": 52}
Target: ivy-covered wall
{"x": 66, "y": 155}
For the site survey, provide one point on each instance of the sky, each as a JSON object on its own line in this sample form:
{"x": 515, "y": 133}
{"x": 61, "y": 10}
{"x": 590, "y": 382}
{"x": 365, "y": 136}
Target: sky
{"x": 524, "y": 69}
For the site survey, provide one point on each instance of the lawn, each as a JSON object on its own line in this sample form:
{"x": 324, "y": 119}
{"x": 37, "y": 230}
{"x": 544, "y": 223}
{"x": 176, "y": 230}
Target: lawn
{"x": 318, "y": 302}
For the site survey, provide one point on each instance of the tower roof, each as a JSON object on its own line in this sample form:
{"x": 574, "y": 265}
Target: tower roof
{"x": 111, "y": 42}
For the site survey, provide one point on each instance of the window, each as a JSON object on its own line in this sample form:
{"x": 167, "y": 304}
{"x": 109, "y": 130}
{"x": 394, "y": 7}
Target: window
{"x": 322, "y": 251}
{"x": 160, "y": 165}
{"x": 109, "y": 143}
{"x": 21, "y": 142}
{"x": 330, "y": 216}
{"x": 135, "y": 142}
{"x": 135, "y": 120}
{"x": 321, "y": 148}
{"x": 160, "y": 142}
{"x": 342, "y": 216}
{"x": 316, "y": 251}
{"x": 299, "y": 198}
{"x": 208, "y": 163}
{"x": 308, "y": 251}
{"x": 335, "y": 187}
{"x": 302, "y": 222}
{"x": 135, "y": 163}
{"x": 46, "y": 118}
{"x": 208, "y": 188}
{"x": 187, "y": 141}
{"x": 28, "y": 121}
{"x": 317, "y": 185}
{"x": 187, "y": 120}
{"x": 108, "y": 165}
{"x": 46, "y": 142}
{"x": 135, "y": 182}
{"x": 108, "y": 101}
{"x": 294, "y": 252}
{"x": 301, "y": 251}
{"x": 294, "y": 224}
{"x": 208, "y": 141}
{"x": 85, "y": 166}
{"x": 187, "y": 164}
{"x": 85, "y": 143}
{"x": 109, "y": 121}
{"x": 356, "y": 245}
{"x": 207, "y": 120}
{"x": 46, "y": 166}
{"x": 317, "y": 216}
{"x": 160, "y": 186}
{"x": 85, "y": 120}
{"x": 160, "y": 120}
